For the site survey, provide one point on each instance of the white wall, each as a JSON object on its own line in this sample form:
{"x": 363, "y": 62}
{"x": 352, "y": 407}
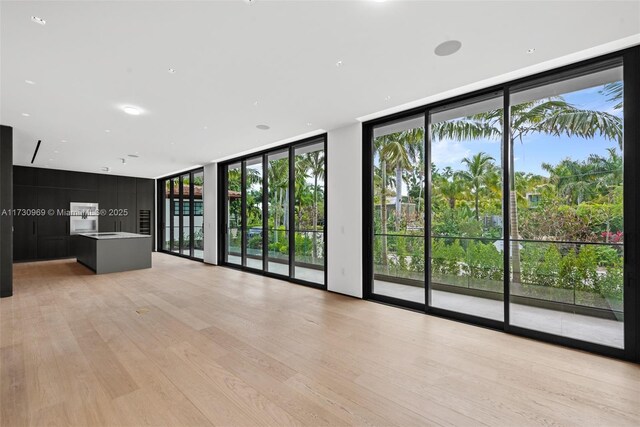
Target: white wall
{"x": 344, "y": 210}
{"x": 211, "y": 213}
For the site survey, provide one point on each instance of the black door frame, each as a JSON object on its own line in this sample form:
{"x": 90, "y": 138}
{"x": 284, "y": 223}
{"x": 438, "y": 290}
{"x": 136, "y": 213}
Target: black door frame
{"x": 161, "y": 183}
{"x": 222, "y": 209}
{"x": 630, "y": 59}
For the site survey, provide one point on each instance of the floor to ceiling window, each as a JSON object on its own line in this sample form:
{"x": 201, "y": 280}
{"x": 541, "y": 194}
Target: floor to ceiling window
{"x": 181, "y": 227}
{"x": 233, "y": 214}
{"x": 466, "y": 230}
{"x": 507, "y": 207}
{"x": 398, "y": 209}
{"x": 278, "y": 212}
{"x": 567, "y": 211}
{"x": 274, "y": 212}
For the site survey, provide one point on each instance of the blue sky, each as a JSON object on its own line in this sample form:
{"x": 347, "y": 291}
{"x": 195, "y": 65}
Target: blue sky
{"x": 536, "y": 149}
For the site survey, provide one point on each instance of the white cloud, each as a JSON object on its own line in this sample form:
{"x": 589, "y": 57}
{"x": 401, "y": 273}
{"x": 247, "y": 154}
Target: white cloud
{"x": 448, "y": 153}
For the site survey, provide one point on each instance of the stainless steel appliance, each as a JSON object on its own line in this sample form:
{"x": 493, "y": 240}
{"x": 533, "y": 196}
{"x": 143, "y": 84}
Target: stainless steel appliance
{"x": 83, "y": 217}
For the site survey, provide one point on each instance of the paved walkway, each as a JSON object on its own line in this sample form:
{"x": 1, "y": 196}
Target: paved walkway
{"x": 567, "y": 324}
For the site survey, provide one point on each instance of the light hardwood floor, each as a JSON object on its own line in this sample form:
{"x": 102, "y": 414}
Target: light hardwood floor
{"x": 189, "y": 344}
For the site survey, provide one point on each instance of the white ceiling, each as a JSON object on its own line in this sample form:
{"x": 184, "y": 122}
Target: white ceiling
{"x": 92, "y": 57}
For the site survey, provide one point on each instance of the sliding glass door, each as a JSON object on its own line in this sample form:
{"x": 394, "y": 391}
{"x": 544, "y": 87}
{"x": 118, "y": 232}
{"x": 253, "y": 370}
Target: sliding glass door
{"x": 567, "y": 207}
{"x": 520, "y": 223}
{"x": 467, "y": 236}
{"x": 233, "y": 214}
{"x": 399, "y": 210}
{"x": 274, "y": 212}
{"x": 278, "y": 213}
{"x": 182, "y": 210}
{"x": 253, "y": 213}
{"x": 309, "y": 174}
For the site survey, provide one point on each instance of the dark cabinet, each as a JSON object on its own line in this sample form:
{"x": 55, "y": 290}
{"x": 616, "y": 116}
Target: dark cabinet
{"x": 82, "y": 181}
{"x": 24, "y": 176}
{"x": 54, "y": 201}
{"x": 85, "y": 196}
{"x": 108, "y": 203}
{"x": 25, "y": 236}
{"x": 47, "y": 236}
{"x": 126, "y": 212}
{"x": 126, "y": 184}
{"x": 145, "y": 198}
{"x": 53, "y": 227}
{"x": 50, "y": 247}
{"x": 107, "y": 184}
{"x": 52, "y": 178}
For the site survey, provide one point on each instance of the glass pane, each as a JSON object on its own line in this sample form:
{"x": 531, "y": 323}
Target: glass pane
{"x": 278, "y": 212}
{"x": 309, "y": 262}
{"x": 567, "y": 219}
{"x": 185, "y": 246}
{"x": 467, "y": 262}
{"x": 198, "y": 215}
{"x": 253, "y": 193}
{"x": 175, "y": 243}
{"x": 233, "y": 251}
{"x": 398, "y": 209}
{"x": 166, "y": 233}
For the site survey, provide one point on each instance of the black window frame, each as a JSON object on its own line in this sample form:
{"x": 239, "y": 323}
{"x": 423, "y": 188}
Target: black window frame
{"x": 222, "y": 211}
{"x": 630, "y": 59}
{"x": 181, "y": 202}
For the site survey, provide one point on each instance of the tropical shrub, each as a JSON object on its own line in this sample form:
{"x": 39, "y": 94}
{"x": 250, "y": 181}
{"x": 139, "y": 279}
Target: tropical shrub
{"x": 484, "y": 261}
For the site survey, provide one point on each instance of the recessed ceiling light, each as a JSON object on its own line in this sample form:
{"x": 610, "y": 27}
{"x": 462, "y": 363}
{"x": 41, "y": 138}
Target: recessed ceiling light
{"x": 250, "y": 2}
{"x": 263, "y": 127}
{"x": 135, "y": 156}
{"x": 63, "y": 140}
{"x": 531, "y": 50}
{"x": 172, "y": 71}
{"x": 205, "y": 127}
{"x": 131, "y": 110}
{"x": 30, "y": 82}
{"x": 387, "y": 98}
{"x": 309, "y": 123}
{"x": 106, "y": 169}
{"x": 255, "y": 103}
{"x": 38, "y": 20}
{"x": 107, "y": 130}
{"x": 448, "y": 48}
{"x": 26, "y": 114}
{"x": 339, "y": 64}
{"x": 173, "y": 143}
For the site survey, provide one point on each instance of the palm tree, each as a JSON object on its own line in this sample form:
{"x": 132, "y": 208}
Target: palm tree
{"x": 278, "y": 184}
{"x": 383, "y": 181}
{"x": 450, "y": 187}
{"x": 315, "y": 165}
{"x": 478, "y": 166}
{"x": 396, "y": 156}
{"x": 550, "y": 116}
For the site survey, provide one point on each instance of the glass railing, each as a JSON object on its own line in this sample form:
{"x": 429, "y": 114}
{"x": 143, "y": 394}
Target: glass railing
{"x": 404, "y": 257}
{"x": 570, "y": 273}
{"x": 577, "y": 273}
{"x": 468, "y": 262}
{"x": 309, "y": 248}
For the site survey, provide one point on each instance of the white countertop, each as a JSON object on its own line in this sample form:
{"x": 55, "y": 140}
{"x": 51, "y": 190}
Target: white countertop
{"x": 113, "y": 235}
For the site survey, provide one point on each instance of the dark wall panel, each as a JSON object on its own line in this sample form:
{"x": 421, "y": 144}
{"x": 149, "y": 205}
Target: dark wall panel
{"x": 6, "y": 205}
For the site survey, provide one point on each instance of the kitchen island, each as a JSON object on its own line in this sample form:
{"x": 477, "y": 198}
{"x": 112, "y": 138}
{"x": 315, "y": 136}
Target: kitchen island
{"x": 113, "y": 252}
